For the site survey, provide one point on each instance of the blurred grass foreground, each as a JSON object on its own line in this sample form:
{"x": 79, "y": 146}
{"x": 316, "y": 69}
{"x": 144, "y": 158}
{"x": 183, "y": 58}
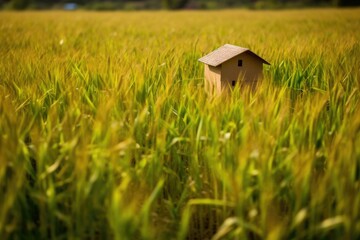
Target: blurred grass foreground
{"x": 106, "y": 131}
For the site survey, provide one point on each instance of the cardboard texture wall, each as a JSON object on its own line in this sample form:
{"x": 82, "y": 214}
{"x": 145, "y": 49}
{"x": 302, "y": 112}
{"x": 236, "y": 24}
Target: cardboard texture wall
{"x": 230, "y": 65}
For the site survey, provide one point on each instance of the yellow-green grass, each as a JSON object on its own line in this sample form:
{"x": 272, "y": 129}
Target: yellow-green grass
{"x": 106, "y": 131}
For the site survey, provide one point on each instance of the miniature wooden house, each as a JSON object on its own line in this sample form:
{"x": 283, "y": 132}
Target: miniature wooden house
{"x": 228, "y": 65}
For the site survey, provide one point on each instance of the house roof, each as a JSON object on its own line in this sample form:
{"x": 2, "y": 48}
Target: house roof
{"x": 225, "y": 53}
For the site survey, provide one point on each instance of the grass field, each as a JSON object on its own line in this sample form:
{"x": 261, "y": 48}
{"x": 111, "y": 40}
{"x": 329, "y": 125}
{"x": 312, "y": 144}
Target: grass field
{"x": 106, "y": 131}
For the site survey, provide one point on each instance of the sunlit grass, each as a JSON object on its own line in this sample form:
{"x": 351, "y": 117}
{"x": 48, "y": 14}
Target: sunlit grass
{"x": 106, "y": 131}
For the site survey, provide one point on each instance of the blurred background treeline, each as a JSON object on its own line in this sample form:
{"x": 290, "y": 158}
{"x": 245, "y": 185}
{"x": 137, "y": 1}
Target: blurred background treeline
{"x": 169, "y": 4}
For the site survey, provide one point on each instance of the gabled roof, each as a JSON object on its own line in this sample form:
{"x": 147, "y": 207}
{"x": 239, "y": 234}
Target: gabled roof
{"x": 225, "y": 53}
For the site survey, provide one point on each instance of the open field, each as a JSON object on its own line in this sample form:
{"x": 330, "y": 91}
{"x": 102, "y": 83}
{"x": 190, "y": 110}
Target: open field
{"x": 106, "y": 132}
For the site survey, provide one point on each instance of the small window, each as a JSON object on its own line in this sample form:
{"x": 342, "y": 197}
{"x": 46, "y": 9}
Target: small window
{"x": 239, "y": 63}
{"x": 233, "y": 83}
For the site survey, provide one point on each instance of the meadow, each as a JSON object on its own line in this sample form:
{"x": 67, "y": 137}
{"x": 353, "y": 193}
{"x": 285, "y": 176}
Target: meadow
{"x": 106, "y": 131}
